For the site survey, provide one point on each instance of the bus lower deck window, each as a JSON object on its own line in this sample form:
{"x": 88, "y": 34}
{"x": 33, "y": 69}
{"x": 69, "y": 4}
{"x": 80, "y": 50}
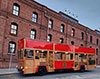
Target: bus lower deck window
{"x": 71, "y": 56}
{"x": 28, "y": 53}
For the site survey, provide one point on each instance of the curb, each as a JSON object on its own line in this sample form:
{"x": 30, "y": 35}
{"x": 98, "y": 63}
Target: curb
{"x": 98, "y": 66}
{"x": 8, "y": 71}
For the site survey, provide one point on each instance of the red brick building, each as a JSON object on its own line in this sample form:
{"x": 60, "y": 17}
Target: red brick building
{"x": 29, "y": 19}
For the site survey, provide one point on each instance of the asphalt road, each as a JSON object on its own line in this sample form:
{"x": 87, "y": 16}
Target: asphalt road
{"x": 94, "y": 74}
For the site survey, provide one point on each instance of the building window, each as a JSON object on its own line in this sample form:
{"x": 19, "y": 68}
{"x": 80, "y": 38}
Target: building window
{"x": 12, "y": 47}
{"x": 72, "y": 42}
{"x": 90, "y": 39}
{"x": 50, "y": 23}
{"x": 34, "y": 17}
{"x": 73, "y": 32}
{"x": 96, "y": 51}
{"x": 97, "y": 41}
{"x": 33, "y": 34}
{"x": 61, "y": 40}
{"x": 81, "y": 45}
{"x": 49, "y": 37}
{"x": 14, "y": 29}
{"x": 16, "y": 9}
{"x": 82, "y": 35}
{"x": 62, "y": 28}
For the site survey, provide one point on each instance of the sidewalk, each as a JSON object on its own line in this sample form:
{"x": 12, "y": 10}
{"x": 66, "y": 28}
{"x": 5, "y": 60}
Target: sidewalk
{"x": 98, "y": 66}
{"x": 8, "y": 71}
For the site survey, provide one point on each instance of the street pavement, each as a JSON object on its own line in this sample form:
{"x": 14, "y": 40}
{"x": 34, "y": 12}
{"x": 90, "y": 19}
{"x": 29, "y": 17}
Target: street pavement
{"x": 93, "y": 74}
{"x": 8, "y": 71}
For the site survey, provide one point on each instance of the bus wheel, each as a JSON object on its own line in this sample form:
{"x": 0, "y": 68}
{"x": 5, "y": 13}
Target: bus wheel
{"x": 42, "y": 71}
{"x": 82, "y": 68}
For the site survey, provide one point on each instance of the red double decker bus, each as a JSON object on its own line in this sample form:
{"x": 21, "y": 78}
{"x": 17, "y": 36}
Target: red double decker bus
{"x": 41, "y": 57}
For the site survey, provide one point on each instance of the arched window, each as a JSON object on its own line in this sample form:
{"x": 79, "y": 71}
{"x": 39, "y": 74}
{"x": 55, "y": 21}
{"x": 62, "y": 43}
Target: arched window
{"x": 49, "y": 37}
{"x": 12, "y": 47}
{"x": 61, "y": 40}
{"x": 97, "y": 41}
{"x": 62, "y": 28}
{"x": 73, "y": 32}
{"x": 50, "y": 23}
{"x": 81, "y": 45}
{"x": 34, "y": 17}
{"x": 82, "y": 35}
{"x": 14, "y": 29}
{"x": 16, "y": 9}
{"x": 97, "y": 51}
{"x": 72, "y": 42}
{"x": 91, "y": 38}
{"x": 33, "y": 34}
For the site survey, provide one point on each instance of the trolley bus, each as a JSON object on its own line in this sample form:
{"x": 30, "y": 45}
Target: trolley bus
{"x": 42, "y": 57}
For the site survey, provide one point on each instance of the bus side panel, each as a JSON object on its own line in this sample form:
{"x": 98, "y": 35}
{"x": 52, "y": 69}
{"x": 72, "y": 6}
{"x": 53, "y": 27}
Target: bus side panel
{"x": 39, "y": 45}
{"x": 85, "y": 50}
{"x": 64, "y": 64}
{"x": 62, "y": 47}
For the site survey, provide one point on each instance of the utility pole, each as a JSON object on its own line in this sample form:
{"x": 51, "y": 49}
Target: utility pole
{"x": 10, "y": 61}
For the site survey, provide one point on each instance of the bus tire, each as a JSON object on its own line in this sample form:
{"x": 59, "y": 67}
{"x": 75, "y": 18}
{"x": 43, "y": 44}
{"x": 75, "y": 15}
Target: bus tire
{"x": 82, "y": 68}
{"x": 42, "y": 70}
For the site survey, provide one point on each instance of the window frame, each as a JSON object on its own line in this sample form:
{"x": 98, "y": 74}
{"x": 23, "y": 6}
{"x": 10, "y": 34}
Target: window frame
{"x": 62, "y": 28}
{"x": 16, "y": 9}
{"x": 9, "y": 47}
{"x": 73, "y": 32}
{"x": 61, "y": 40}
{"x": 97, "y": 41}
{"x": 91, "y": 59}
{"x": 97, "y": 51}
{"x": 91, "y": 39}
{"x": 28, "y": 53}
{"x": 49, "y": 38}
{"x": 72, "y": 42}
{"x": 33, "y": 35}
{"x": 82, "y": 35}
{"x": 50, "y": 23}
{"x": 35, "y": 17}
{"x": 12, "y": 30}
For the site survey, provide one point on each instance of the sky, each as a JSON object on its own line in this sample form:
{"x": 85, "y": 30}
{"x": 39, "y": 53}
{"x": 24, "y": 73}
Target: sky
{"x": 86, "y": 11}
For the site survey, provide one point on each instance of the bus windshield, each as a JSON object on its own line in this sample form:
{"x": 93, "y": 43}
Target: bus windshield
{"x": 28, "y": 53}
{"x": 91, "y": 59}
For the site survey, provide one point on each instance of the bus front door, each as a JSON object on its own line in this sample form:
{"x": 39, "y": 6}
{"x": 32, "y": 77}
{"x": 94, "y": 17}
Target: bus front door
{"x": 76, "y": 61}
{"x": 50, "y": 61}
{"x": 29, "y": 62}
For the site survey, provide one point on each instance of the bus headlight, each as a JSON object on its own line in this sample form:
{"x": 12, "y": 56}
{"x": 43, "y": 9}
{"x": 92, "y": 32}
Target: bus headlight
{"x": 16, "y": 66}
{"x": 26, "y": 67}
{"x": 21, "y": 67}
{"x": 95, "y": 66}
{"x": 23, "y": 70}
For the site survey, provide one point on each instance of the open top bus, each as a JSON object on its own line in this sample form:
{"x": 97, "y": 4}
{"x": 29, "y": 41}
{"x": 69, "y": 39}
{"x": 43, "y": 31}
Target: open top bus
{"x": 41, "y": 57}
